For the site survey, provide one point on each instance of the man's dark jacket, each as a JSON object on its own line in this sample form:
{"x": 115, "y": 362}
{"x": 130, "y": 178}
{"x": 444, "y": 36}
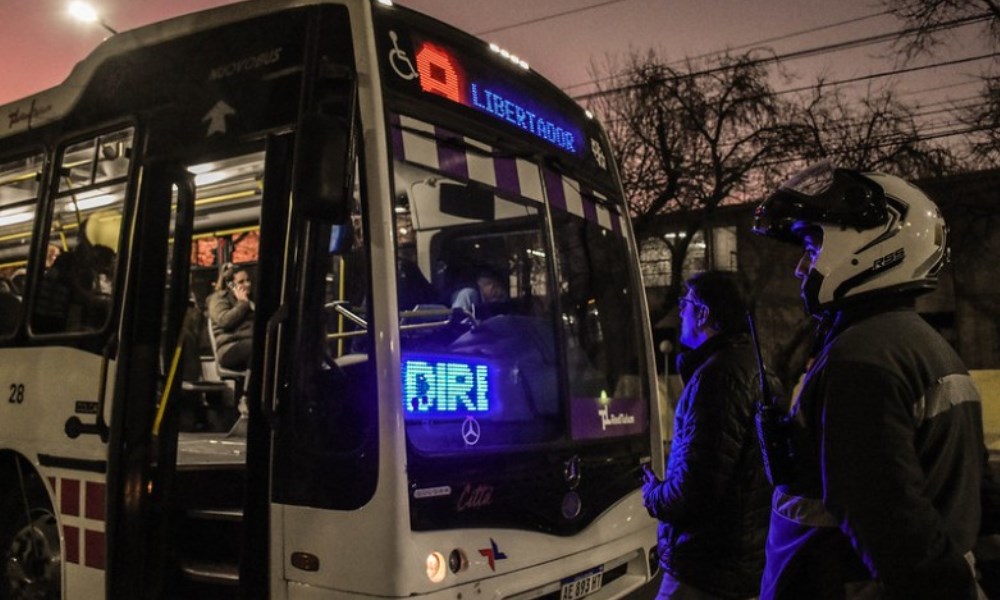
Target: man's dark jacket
{"x": 714, "y": 503}
{"x": 889, "y": 457}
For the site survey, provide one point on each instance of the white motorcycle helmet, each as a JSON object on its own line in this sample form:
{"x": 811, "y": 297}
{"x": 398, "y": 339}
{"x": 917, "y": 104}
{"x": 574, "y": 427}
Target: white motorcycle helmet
{"x": 881, "y": 234}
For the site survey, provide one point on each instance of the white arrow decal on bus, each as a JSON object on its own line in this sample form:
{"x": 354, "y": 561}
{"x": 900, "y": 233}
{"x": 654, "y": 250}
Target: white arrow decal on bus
{"x": 217, "y": 117}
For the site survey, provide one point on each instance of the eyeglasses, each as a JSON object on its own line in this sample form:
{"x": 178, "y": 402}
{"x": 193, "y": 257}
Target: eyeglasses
{"x": 684, "y": 301}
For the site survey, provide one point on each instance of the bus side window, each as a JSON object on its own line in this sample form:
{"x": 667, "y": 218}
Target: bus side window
{"x": 74, "y": 293}
{"x": 19, "y": 186}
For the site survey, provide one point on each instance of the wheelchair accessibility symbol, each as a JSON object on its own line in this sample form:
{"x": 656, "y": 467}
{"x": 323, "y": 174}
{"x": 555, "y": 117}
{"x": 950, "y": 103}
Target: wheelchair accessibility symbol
{"x": 399, "y": 61}
{"x": 470, "y": 431}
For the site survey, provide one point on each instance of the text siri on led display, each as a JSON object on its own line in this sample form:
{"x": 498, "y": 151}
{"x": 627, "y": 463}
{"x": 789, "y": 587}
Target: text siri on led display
{"x": 441, "y": 73}
{"x": 445, "y": 386}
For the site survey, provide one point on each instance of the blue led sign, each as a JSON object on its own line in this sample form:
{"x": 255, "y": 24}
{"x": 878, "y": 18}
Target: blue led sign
{"x": 503, "y": 107}
{"x": 445, "y": 386}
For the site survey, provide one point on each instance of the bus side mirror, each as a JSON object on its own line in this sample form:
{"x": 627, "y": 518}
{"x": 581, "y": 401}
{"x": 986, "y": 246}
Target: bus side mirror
{"x": 325, "y": 152}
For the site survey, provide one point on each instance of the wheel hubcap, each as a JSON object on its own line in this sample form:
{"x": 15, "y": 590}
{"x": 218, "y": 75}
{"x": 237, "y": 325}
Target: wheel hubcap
{"x": 31, "y": 562}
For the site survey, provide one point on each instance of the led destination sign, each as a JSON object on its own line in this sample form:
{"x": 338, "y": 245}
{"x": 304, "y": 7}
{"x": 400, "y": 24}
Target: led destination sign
{"x": 502, "y": 107}
{"x": 442, "y": 73}
{"x": 445, "y": 387}
{"x": 483, "y": 85}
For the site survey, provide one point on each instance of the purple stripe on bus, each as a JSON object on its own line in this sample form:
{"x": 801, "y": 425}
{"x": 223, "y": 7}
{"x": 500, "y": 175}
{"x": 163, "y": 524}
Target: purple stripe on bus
{"x": 554, "y": 189}
{"x": 616, "y": 224}
{"x": 396, "y": 133}
{"x": 505, "y": 170}
{"x": 451, "y": 157}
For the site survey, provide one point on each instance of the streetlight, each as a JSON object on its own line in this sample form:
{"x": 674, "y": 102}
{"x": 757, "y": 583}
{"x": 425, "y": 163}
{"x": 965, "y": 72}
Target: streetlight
{"x": 85, "y": 12}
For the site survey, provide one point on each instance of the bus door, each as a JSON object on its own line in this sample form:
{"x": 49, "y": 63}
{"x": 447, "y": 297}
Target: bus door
{"x": 151, "y": 313}
{"x": 205, "y": 482}
{"x": 318, "y": 385}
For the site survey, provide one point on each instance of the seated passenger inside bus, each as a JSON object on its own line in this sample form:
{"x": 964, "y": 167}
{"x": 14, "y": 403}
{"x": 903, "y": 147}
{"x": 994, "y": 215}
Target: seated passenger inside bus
{"x": 485, "y": 296}
{"x": 75, "y": 291}
{"x": 231, "y": 313}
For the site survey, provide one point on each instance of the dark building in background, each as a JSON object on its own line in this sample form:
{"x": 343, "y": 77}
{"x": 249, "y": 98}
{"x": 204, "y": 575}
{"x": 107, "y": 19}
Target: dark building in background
{"x": 965, "y": 308}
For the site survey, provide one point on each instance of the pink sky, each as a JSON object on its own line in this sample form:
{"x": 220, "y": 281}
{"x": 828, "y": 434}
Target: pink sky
{"x": 40, "y": 44}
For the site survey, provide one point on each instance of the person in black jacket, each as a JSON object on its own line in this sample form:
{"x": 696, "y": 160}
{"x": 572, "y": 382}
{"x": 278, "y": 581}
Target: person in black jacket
{"x": 714, "y": 501}
{"x": 883, "y": 498}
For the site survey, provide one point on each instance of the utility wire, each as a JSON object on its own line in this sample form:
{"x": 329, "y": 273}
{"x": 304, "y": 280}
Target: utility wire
{"x": 804, "y": 53}
{"x": 959, "y": 105}
{"x": 749, "y": 45}
{"x": 942, "y": 87}
{"x": 841, "y": 82}
{"x": 926, "y": 131}
{"x": 965, "y": 102}
{"x": 871, "y": 76}
{"x": 548, "y": 17}
{"x": 924, "y": 128}
{"x": 892, "y": 142}
{"x": 788, "y": 36}
{"x": 846, "y": 82}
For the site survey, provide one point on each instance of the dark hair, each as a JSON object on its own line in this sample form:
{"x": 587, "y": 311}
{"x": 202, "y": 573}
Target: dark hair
{"x": 229, "y": 270}
{"x": 491, "y": 272}
{"x": 726, "y": 297}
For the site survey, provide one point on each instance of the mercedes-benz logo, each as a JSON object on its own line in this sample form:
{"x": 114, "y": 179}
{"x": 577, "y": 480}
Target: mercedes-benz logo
{"x": 470, "y": 431}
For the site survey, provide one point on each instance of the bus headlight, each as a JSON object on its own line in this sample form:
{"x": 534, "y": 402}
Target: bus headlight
{"x": 436, "y": 568}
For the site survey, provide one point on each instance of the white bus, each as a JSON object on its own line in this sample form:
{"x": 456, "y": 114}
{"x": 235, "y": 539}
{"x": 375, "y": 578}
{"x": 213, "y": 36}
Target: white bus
{"x": 451, "y": 390}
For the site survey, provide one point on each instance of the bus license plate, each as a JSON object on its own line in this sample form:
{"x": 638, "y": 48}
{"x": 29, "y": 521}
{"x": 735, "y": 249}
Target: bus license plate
{"x": 582, "y": 584}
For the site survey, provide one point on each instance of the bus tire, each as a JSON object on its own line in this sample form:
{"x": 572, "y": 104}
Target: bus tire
{"x": 30, "y": 563}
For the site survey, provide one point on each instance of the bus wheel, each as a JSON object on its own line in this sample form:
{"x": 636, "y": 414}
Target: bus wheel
{"x": 29, "y": 544}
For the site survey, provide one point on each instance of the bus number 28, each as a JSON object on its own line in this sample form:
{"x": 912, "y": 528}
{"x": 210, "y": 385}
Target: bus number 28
{"x": 16, "y": 393}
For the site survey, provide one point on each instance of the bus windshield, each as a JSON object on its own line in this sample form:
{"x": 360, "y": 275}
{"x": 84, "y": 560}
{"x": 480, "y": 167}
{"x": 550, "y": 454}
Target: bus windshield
{"x": 520, "y": 335}
{"x": 493, "y": 305}
{"x": 518, "y": 325}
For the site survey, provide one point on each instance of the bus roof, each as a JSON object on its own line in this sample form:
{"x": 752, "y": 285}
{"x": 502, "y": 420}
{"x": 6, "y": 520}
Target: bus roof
{"x": 54, "y": 103}
{"x": 57, "y": 104}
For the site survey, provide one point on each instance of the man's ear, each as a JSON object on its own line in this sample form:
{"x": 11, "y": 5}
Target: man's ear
{"x": 704, "y": 315}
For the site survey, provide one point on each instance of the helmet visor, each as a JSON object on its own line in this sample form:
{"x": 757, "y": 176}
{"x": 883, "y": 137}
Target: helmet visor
{"x": 821, "y": 195}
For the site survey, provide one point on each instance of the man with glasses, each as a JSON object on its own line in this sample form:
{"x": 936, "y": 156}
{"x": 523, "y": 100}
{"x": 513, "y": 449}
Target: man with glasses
{"x": 714, "y": 502}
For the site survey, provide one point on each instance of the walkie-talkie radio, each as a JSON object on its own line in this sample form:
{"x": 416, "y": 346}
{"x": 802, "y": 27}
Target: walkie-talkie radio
{"x": 773, "y": 426}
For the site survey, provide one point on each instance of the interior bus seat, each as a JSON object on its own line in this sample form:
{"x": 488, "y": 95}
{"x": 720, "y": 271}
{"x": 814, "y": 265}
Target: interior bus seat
{"x": 7, "y": 285}
{"x": 52, "y": 303}
{"x": 10, "y": 313}
{"x": 238, "y": 378}
{"x": 18, "y": 280}
{"x": 208, "y": 403}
